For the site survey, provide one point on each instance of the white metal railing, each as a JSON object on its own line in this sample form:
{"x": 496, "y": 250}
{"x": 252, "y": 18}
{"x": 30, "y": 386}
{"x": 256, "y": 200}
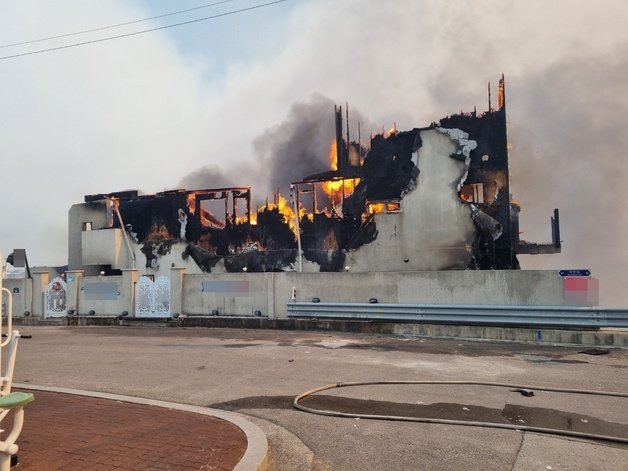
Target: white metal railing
{"x": 9, "y": 401}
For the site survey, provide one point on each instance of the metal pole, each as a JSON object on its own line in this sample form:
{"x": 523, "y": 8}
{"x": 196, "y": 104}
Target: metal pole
{"x": 294, "y": 189}
{"x": 124, "y": 234}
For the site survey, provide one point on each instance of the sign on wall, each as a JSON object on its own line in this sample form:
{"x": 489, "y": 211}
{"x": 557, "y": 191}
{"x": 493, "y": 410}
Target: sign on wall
{"x": 56, "y": 293}
{"x": 575, "y": 272}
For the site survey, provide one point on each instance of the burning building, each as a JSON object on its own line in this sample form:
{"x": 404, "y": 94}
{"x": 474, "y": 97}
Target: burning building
{"x": 431, "y": 198}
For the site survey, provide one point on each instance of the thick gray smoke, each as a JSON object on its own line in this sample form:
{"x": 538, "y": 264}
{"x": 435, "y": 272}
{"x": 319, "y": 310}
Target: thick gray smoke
{"x": 210, "y": 176}
{"x": 287, "y": 152}
{"x": 298, "y": 147}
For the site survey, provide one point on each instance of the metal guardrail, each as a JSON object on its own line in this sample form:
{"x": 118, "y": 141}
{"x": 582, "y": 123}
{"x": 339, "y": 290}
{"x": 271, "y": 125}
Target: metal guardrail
{"x": 563, "y": 316}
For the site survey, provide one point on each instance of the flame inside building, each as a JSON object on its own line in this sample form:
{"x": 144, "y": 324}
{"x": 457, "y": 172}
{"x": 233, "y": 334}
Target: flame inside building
{"x": 432, "y": 198}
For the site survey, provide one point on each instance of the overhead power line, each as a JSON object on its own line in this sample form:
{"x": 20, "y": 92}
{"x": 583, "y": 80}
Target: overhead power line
{"x": 135, "y": 33}
{"x": 115, "y": 26}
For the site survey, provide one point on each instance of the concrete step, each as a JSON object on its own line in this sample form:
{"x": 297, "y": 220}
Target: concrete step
{"x": 40, "y": 321}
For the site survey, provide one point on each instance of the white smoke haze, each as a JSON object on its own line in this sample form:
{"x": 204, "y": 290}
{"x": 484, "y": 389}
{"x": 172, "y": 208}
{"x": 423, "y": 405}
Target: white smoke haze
{"x": 570, "y": 154}
{"x": 141, "y": 113}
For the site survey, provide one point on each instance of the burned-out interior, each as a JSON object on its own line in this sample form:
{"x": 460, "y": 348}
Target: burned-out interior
{"x": 368, "y": 197}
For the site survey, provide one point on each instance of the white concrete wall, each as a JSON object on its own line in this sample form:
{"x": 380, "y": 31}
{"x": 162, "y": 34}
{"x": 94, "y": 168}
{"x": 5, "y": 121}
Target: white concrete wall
{"x": 87, "y": 302}
{"x": 164, "y": 262}
{"x": 22, "y": 293}
{"x": 244, "y": 294}
{"x": 516, "y": 287}
{"x": 102, "y": 247}
{"x": 97, "y": 214}
{"x": 335, "y": 287}
{"x": 434, "y": 230}
{"x": 511, "y": 287}
{"x": 229, "y": 294}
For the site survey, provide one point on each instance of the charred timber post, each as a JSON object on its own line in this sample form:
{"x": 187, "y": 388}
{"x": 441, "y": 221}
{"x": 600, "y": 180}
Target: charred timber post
{"x": 359, "y": 144}
{"x": 341, "y": 151}
{"x": 348, "y": 136}
{"x": 225, "y": 196}
{"x": 501, "y": 97}
{"x": 556, "y": 229}
{"x": 248, "y": 207}
{"x": 234, "y": 214}
{"x": 490, "y": 106}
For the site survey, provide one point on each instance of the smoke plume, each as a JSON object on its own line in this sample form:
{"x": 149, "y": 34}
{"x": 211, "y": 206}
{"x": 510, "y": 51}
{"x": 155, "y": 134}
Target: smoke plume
{"x": 285, "y": 153}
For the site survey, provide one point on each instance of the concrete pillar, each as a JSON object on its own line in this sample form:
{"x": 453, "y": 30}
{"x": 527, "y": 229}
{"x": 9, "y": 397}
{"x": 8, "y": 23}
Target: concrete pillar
{"x": 127, "y": 290}
{"x": 176, "y": 289}
{"x": 40, "y": 283}
{"x": 73, "y": 280}
{"x": 270, "y": 289}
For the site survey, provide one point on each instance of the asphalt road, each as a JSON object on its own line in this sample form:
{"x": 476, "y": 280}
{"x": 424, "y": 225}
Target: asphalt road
{"x": 257, "y": 373}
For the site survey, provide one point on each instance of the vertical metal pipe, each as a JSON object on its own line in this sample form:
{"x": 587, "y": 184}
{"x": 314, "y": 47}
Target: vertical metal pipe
{"x": 124, "y": 234}
{"x": 348, "y": 137}
{"x": 225, "y": 196}
{"x": 294, "y": 189}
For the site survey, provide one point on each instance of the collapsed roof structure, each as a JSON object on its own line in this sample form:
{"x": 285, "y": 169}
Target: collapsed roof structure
{"x": 431, "y": 198}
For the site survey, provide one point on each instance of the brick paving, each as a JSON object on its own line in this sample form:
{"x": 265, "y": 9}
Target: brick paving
{"x": 76, "y": 433}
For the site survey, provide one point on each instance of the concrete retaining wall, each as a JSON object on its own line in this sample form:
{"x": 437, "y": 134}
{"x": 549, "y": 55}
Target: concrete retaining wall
{"x": 266, "y": 294}
{"x": 22, "y": 294}
{"x": 228, "y": 294}
{"x": 512, "y": 287}
{"x": 103, "y": 302}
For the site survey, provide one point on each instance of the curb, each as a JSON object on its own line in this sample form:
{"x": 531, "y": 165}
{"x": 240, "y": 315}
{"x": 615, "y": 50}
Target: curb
{"x": 255, "y": 456}
{"x": 602, "y": 337}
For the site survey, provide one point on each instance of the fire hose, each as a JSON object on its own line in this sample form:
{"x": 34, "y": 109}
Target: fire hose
{"x": 429, "y": 420}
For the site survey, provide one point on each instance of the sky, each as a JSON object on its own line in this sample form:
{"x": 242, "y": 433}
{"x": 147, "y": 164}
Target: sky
{"x": 213, "y": 101}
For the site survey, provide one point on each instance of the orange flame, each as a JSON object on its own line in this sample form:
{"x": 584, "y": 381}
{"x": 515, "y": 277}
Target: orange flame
{"x": 391, "y": 132}
{"x": 376, "y": 208}
{"x": 244, "y": 219}
{"x": 192, "y": 202}
{"x": 207, "y": 219}
{"x": 285, "y": 208}
{"x": 335, "y": 188}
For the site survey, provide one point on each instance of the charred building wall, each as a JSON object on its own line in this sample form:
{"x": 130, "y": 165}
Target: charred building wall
{"x": 433, "y": 198}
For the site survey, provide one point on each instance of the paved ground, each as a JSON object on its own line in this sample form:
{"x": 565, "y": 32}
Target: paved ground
{"x": 259, "y": 372}
{"x": 68, "y": 432}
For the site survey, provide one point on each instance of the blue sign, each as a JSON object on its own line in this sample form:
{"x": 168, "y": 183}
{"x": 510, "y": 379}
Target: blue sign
{"x": 575, "y": 272}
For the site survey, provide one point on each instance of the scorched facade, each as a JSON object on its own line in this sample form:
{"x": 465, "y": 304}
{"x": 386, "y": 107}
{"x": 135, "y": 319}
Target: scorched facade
{"x": 431, "y": 198}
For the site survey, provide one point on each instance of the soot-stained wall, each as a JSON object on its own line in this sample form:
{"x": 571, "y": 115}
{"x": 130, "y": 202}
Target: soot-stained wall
{"x": 434, "y": 198}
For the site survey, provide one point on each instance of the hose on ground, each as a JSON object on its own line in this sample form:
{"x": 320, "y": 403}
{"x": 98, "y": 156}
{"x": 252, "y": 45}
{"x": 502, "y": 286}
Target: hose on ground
{"x": 522, "y": 428}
